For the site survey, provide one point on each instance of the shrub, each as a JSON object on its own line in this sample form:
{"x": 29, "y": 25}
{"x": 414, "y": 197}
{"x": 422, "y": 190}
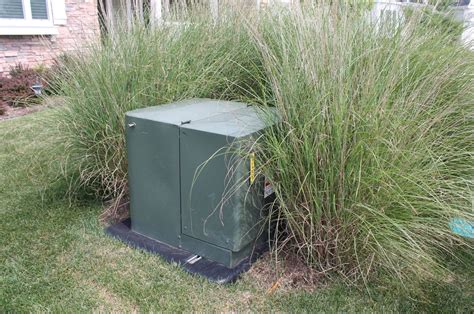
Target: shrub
{"x": 374, "y": 153}
{"x": 16, "y": 90}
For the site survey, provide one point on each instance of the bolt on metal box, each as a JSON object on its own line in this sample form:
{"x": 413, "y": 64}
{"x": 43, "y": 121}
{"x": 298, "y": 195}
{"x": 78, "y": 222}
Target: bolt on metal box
{"x": 189, "y": 186}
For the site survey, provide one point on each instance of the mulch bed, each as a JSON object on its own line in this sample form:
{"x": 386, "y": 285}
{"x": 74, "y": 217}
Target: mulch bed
{"x": 284, "y": 274}
{"x": 12, "y": 112}
{"x": 48, "y": 102}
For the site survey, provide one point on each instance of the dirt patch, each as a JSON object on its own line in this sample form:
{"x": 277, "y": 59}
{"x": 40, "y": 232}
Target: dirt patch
{"x": 13, "y": 112}
{"x": 284, "y": 274}
{"x": 116, "y": 210}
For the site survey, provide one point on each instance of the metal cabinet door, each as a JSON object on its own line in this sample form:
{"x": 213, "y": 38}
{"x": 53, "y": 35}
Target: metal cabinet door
{"x": 217, "y": 204}
{"x": 153, "y": 168}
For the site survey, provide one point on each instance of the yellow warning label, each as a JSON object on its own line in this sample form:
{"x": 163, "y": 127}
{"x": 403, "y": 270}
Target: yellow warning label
{"x": 252, "y": 168}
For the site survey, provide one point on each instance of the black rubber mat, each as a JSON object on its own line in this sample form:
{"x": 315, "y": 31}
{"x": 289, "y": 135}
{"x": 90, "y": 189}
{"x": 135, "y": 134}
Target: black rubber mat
{"x": 190, "y": 262}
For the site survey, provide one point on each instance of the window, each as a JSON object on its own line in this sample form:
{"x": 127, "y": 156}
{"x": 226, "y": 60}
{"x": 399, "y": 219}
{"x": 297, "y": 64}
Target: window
{"x": 38, "y": 9}
{"x": 31, "y": 17}
{"x": 15, "y": 9}
{"x": 12, "y": 9}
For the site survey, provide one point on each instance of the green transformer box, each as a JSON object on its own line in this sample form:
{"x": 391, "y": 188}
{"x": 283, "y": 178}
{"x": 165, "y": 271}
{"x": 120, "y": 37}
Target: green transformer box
{"x": 189, "y": 187}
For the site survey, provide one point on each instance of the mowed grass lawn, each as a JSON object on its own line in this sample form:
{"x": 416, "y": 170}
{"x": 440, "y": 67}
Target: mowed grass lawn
{"x": 54, "y": 255}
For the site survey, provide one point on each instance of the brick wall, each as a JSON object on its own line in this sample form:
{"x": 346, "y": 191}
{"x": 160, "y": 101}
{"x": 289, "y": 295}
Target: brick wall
{"x": 81, "y": 27}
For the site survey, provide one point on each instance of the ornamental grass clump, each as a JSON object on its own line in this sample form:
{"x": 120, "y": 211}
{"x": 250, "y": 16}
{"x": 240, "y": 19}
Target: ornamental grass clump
{"x": 139, "y": 66}
{"x": 374, "y": 152}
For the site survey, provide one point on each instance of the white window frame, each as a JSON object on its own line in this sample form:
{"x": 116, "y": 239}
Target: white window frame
{"x": 27, "y": 25}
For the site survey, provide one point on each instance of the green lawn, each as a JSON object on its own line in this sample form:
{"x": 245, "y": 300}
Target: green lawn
{"x": 54, "y": 255}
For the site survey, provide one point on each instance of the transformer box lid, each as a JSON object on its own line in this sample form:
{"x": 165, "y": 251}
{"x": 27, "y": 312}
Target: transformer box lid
{"x": 236, "y": 123}
{"x": 181, "y": 112}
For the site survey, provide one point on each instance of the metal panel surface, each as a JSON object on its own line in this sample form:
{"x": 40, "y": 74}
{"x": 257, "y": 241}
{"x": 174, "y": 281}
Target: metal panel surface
{"x": 186, "y": 110}
{"x": 153, "y": 174}
{"x": 218, "y": 203}
{"x": 221, "y": 255}
{"x": 237, "y": 123}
